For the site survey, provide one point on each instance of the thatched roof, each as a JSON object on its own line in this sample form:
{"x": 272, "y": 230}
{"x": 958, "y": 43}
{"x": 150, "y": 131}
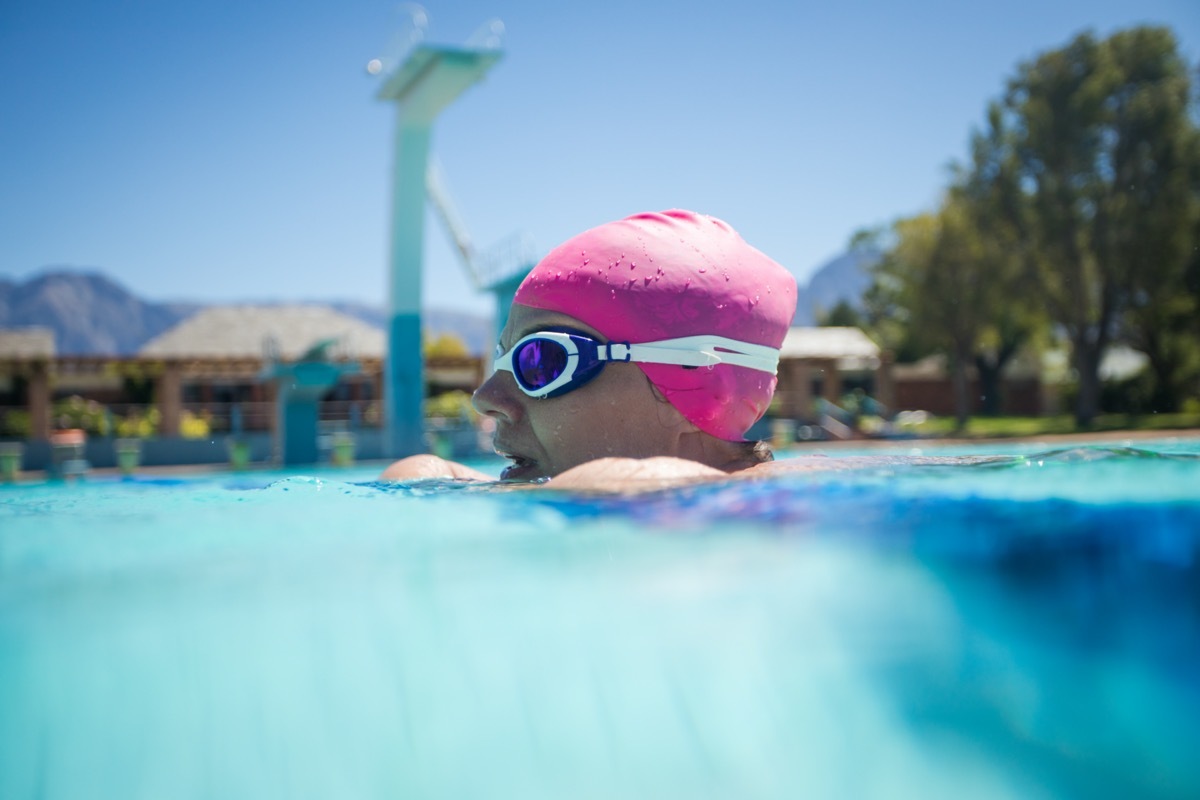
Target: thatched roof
{"x": 27, "y": 343}
{"x": 256, "y": 331}
{"x": 834, "y": 343}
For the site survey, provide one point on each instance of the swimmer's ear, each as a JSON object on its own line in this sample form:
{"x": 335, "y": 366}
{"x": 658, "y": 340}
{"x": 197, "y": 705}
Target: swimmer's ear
{"x": 673, "y": 416}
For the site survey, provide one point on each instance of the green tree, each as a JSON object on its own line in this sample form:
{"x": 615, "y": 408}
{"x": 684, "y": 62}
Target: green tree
{"x": 445, "y": 345}
{"x": 842, "y": 315}
{"x": 988, "y": 190}
{"x": 886, "y": 314}
{"x": 1154, "y": 212}
{"x": 948, "y": 283}
{"x": 949, "y": 299}
{"x": 1100, "y": 131}
{"x": 919, "y": 287}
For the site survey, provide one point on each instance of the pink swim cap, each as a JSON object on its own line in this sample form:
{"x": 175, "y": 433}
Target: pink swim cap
{"x": 662, "y": 276}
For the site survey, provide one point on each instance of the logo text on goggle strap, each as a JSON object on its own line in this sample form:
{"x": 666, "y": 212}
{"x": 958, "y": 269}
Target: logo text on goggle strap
{"x": 625, "y": 353}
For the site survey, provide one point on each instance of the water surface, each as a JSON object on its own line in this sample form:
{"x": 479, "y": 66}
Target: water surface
{"x": 1024, "y": 627}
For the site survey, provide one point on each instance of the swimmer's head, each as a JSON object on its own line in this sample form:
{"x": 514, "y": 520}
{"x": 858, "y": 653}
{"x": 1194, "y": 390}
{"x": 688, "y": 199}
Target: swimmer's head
{"x": 668, "y": 275}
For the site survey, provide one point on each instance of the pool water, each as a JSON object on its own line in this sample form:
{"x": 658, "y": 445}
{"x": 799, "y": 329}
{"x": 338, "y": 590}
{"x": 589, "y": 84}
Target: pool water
{"x": 1025, "y": 627}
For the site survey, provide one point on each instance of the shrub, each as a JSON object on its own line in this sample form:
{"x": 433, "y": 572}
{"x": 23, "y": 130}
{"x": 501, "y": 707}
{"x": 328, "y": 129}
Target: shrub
{"x": 454, "y": 404}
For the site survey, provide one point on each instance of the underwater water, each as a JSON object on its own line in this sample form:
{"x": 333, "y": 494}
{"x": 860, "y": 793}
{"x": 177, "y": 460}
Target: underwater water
{"x": 1022, "y": 627}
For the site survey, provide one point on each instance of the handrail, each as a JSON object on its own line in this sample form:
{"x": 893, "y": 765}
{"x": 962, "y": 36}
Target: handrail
{"x": 504, "y": 260}
{"x": 447, "y": 211}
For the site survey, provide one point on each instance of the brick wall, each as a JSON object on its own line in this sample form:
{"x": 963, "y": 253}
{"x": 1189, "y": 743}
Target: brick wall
{"x": 1020, "y": 396}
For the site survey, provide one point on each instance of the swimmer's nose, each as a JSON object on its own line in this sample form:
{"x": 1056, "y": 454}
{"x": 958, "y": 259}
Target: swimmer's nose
{"x": 499, "y": 397}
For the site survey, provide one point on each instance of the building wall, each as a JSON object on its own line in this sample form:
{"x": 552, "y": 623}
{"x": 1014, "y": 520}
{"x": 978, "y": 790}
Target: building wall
{"x": 1020, "y": 396}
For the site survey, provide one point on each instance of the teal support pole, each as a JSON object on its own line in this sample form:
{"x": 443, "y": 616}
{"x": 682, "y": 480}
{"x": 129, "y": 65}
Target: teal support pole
{"x": 404, "y": 367}
{"x": 504, "y": 293}
{"x": 428, "y": 81}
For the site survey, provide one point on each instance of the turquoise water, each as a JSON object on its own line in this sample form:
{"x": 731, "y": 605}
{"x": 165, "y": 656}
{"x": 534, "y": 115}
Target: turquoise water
{"x": 1026, "y": 627}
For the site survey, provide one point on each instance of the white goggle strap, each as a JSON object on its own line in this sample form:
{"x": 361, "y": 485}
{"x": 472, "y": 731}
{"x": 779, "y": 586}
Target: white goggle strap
{"x": 696, "y": 351}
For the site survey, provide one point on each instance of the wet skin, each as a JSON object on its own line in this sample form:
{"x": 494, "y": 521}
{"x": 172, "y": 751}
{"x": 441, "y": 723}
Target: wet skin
{"x": 616, "y": 414}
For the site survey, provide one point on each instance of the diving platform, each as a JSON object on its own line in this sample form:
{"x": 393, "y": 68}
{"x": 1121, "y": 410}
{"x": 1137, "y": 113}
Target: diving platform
{"x": 428, "y": 80}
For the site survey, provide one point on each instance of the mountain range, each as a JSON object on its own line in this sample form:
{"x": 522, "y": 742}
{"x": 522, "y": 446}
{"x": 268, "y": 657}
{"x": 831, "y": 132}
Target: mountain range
{"x": 91, "y": 314}
{"x": 844, "y": 278}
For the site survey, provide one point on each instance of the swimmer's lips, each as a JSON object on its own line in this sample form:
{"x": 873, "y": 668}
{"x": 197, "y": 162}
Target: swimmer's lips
{"x": 521, "y": 469}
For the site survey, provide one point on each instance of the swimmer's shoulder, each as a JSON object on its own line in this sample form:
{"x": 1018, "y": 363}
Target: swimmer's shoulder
{"x": 606, "y": 475}
{"x": 633, "y": 474}
{"x": 629, "y": 475}
{"x": 431, "y": 466}
{"x": 614, "y": 475}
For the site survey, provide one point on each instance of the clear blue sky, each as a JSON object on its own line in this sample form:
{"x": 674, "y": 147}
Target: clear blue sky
{"x": 229, "y": 150}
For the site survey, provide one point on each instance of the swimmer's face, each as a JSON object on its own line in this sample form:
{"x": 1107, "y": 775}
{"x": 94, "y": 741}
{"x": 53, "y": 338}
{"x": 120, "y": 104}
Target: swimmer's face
{"x": 618, "y": 413}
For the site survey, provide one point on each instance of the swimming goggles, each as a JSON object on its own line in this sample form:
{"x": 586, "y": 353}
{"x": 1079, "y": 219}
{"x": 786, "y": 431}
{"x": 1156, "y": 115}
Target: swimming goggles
{"x": 552, "y": 363}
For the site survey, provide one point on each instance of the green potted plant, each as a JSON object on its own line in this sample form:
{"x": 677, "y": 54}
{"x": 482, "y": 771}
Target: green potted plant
{"x": 239, "y": 453}
{"x": 10, "y": 460}
{"x": 342, "y": 448}
{"x": 129, "y": 454}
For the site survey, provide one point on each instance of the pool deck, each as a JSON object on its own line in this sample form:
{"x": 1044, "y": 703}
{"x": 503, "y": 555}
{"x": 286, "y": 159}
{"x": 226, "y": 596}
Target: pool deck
{"x": 189, "y": 470}
{"x": 182, "y": 470}
{"x": 1050, "y": 438}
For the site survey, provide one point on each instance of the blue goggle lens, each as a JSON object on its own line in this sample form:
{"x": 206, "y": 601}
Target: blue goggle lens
{"x": 539, "y": 362}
